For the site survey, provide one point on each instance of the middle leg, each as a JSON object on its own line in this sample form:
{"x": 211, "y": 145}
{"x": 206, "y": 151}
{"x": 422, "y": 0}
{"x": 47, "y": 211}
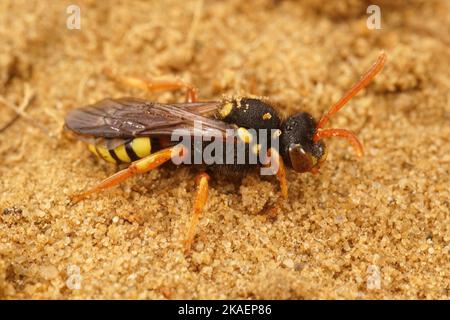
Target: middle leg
{"x": 202, "y": 182}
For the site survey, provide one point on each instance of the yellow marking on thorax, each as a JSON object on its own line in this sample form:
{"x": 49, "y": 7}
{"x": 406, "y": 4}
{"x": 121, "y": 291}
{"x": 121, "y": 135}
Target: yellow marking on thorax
{"x": 266, "y": 116}
{"x": 244, "y": 135}
{"x": 225, "y": 110}
{"x": 104, "y": 153}
{"x": 122, "y": 154}
{"x": 256, "y": 148}
{"x": 276, "y": 134}
{"x": 141, "y": 146}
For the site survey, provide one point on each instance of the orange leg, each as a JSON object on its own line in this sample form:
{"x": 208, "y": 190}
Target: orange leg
{"x": 140, "y": 166}
{"x": 202, "y": 182}
{"x": 281, "y": 176}
{"x": 281, "y": 172}
{"x": 154, "y": 85}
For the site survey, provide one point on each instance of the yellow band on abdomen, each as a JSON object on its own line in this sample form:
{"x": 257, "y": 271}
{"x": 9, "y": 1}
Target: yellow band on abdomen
{"x": 122, "y": 154}
{"x": 92, "y": 149}
{"x": 130, "y": 151}
{"x": 104, "y": 153}
{"x": 142, "y": 146}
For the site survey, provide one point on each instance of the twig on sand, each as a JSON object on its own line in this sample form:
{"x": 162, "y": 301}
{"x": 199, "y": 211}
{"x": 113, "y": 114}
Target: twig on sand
{"x": 20, "y": 110}
{"x": 190, "y": 40}
{"x": 185, "y": 52}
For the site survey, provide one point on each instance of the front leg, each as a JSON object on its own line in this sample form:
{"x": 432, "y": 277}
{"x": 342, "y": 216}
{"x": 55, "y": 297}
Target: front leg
{"x": 281, "y": 170}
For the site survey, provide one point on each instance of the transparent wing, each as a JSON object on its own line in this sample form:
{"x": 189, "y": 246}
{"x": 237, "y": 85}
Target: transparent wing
{"x": 130, "y": 117}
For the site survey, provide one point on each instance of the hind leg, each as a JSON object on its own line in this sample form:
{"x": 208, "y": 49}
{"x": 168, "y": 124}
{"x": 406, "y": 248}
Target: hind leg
{"x": 154, "y": 85}
{"x": 140, "y": 166}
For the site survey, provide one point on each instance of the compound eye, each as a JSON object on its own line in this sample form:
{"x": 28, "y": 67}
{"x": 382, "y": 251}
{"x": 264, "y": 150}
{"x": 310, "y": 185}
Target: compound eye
{"x": 324, "y": 154}
{"x": 300, "y": 160}
{"x": 320, "y": 151}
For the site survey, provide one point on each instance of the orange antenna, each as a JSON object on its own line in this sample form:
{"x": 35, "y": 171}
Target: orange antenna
{"x": 358, "y": 86}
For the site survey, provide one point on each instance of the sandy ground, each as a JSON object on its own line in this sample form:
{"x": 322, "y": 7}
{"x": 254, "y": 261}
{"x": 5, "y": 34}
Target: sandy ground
{"x": 374, "y": 228}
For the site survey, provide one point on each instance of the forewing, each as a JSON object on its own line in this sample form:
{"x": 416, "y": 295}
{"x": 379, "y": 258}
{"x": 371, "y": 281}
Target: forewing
{"x": 130, "y": 117}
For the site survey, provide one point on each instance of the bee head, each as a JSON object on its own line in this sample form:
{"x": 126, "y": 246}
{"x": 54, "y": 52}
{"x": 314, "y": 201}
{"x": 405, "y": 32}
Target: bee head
{"x": 301, "y": 144}
{"x": 297, "y": 145}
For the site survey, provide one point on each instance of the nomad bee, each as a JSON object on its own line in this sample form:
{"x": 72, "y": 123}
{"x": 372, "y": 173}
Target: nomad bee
{"x": 139, "y": 132}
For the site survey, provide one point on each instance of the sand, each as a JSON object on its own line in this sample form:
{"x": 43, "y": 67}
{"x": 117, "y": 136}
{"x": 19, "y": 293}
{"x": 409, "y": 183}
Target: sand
{"x": 375, "y": 228}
